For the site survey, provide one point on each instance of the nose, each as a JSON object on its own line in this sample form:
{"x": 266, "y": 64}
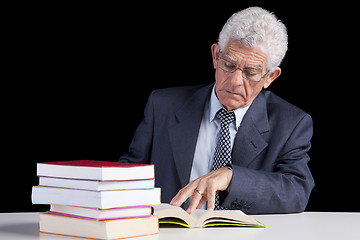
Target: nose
{"x": 237, "y": 78}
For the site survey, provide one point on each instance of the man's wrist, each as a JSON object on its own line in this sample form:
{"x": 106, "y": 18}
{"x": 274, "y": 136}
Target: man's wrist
{"x": 229, "y": 166}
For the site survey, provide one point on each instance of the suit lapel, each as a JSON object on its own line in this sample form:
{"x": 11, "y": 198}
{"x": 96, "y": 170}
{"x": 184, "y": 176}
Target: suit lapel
{"x": 249, "y": 141}
{"x": 184, "y": 132}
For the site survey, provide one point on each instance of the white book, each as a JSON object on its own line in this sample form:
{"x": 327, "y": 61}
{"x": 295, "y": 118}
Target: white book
{"x": 95, "y": 199}
{"x": 96, "y": 170}
{"x": 96, "y": 185}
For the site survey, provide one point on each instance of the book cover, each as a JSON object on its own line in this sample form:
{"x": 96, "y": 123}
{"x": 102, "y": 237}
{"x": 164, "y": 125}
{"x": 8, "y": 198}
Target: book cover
{"x": 94, "y": 163}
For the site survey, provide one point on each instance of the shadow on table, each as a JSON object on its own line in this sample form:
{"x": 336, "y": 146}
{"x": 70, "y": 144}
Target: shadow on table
{"x": 28, "y": 229}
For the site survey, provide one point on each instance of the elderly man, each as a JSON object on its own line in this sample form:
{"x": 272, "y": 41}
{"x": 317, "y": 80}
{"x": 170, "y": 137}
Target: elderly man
{"x": 232, "y": 144}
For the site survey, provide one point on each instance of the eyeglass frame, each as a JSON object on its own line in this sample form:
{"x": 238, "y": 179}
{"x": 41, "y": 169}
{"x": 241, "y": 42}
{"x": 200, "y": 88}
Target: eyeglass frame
{"x": 238, "y": 68}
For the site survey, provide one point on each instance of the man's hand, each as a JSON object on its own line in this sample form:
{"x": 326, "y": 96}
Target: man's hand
{"x": 204, "y": 189}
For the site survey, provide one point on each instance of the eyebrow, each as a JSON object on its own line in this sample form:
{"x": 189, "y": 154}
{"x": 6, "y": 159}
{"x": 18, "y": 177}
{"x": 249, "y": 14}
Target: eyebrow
{"x": 247, "y": 66}
{"x": 230, "y": 57}
{"x": 254, "y": 67}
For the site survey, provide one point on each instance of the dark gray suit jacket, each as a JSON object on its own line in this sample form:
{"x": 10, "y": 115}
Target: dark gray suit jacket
{"x": 269, "y": 156}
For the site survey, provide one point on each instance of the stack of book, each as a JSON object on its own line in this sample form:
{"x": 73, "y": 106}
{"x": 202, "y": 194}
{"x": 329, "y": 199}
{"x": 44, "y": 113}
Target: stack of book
{"x": 97, "y": 199}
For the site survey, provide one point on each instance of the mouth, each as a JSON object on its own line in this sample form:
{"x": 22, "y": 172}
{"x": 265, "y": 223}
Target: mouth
{"x": 233, "y": 93}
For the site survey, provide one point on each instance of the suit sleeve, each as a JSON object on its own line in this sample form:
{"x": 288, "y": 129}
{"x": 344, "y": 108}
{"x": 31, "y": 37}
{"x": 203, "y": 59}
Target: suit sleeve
{"x": 140, "y": 147}
{"x": 284, "y": 190}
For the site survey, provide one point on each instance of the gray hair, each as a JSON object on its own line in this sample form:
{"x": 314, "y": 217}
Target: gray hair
{"x": 255, "y": 27}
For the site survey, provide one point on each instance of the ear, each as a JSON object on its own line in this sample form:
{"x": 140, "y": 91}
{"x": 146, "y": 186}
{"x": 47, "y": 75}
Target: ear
{"x": 215, "y": 53}
{"x": 272, "y": 77}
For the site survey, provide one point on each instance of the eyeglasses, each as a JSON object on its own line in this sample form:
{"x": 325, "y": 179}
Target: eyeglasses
{"x": 249, "y": 73}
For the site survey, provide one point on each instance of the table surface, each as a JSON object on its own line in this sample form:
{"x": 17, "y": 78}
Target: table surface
{"x": 307, "y": 225}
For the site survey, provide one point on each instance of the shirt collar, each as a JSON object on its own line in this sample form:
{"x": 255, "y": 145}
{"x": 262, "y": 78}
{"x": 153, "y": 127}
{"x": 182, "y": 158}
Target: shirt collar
{"x": 215, "y": 106}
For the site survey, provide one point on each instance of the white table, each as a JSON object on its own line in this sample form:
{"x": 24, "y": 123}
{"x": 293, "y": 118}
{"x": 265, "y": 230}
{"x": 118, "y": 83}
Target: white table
{"x": 308, "y": 225}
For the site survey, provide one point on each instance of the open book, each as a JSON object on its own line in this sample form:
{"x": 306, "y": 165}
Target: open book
{"x": 169, "y": 214}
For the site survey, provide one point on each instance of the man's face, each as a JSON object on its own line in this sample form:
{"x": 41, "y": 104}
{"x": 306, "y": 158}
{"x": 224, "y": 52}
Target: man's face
{"x": 232, "y": 90}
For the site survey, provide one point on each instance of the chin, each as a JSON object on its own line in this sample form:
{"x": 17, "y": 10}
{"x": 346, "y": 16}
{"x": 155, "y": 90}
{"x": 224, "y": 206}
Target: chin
{"x": 232, "y": 105}
{"x": 232, "y": 101}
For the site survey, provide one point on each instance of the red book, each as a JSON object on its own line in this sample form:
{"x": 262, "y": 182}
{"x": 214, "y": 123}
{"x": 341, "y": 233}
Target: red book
{"x": 96, "y": 170}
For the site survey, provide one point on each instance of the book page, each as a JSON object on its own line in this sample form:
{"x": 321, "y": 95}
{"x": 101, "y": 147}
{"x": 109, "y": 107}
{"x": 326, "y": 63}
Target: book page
{"x": 225, "y": 216}
{"x": 167, "y": 212}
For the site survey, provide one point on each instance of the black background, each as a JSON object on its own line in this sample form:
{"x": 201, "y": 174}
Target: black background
{"x": 76, "y": 80}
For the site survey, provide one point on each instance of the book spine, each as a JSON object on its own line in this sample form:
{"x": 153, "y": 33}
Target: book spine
{"x": 116, "y": 208}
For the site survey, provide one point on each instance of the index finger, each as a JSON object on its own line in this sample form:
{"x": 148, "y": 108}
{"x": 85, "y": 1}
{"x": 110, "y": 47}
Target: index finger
{"x": 182, "y": 195}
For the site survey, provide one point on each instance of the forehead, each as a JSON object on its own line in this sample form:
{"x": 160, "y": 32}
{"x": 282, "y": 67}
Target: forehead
{"x": 244, "y": 56}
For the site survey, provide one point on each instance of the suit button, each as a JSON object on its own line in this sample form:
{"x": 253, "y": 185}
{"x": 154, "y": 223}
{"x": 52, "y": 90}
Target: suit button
{"x": 247, "y": 206}
{"x": 237, "y": 205}
{"x": 234, "y": 205}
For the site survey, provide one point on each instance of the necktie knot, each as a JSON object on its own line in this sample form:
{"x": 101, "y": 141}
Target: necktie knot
{"x": 226, "y": 117}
